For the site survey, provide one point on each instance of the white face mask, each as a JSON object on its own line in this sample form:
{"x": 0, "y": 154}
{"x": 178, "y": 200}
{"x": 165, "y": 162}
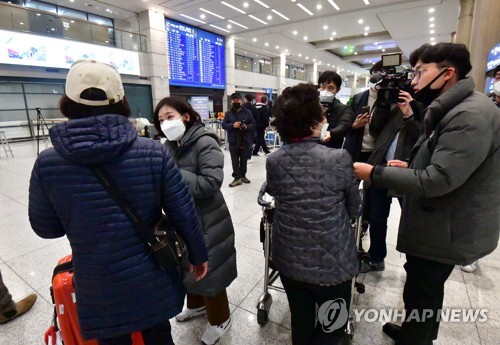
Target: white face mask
{"x": 326, "y": 96}
{"x": 323, "y": 131}
{"x": 173, "y": 129}
{"x": 496, "y": 88}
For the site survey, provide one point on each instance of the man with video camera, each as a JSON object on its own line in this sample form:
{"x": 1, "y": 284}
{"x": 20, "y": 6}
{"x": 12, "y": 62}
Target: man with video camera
{"x": 450, "y": 214}
{"x": 394, "y": 127}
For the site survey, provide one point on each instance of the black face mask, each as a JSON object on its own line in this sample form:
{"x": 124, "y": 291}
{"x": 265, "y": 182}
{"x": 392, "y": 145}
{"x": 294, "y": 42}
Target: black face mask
{"x": 427, "y": 95}
{"x": 236, "y": 106}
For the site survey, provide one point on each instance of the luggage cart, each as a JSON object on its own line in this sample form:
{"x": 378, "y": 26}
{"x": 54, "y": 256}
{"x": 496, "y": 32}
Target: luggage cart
{"x": 271, "y": 274}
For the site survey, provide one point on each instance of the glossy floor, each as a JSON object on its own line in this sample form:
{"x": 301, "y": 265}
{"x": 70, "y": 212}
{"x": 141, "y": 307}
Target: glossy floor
{"x": 26, "y": 262}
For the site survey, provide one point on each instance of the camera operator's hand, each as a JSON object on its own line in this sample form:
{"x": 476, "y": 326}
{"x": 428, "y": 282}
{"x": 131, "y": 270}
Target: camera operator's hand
{"x": 361, "y": 120}
{"x": 397, "y": 163}
{"x": 405, "y": 107}
{"x": 237, "y": 124}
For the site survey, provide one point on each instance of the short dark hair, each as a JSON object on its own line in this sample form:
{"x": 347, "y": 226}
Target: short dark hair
{"x": 182, "y": 106}
{"x": 296, "y": 110}
{"x": 263, "y": 98}
{"x": 73, "y": 110}
{"x": 377, "y": 67}
{"x": 249, "y": 97}
{"x": 236, "y": 95}
{"x": 496, "y": 70}
{"x": 453, "y": 55}
{"x": 330, "y": 77}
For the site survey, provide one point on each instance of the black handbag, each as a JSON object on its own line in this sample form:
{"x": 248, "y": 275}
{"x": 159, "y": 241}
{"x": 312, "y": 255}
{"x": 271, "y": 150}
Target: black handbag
{"x": 166, "y": 245}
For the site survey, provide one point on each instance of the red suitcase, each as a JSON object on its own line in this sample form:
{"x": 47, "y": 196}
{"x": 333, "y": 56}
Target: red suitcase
{"x": 66, "y": 327}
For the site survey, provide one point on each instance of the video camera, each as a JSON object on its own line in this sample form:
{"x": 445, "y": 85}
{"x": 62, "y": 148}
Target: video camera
{"x": 390, "y": 82}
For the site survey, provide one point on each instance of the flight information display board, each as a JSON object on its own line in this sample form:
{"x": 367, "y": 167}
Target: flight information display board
{"x": 195, "y": 57}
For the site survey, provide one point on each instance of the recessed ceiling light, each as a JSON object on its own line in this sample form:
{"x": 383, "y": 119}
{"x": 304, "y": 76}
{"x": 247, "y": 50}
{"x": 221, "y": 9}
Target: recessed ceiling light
{"x": 202, "y": 16}
{"x": 21, "y": 23}
{"x": 305, "y": 9}
{"x": 433, "y": 43}
{"x": 307, "y": 57}
{"x": 373, "y": 63}
{"x": 328, "y": 65}
{"x": 261, "y": 3}
{"x": 331, "y": 38}
{"x": 266, "y": 44}
{"x": 235, "y": 23}
{"x": 433, "y": 38}
{"x": 334, "y": 5}
{"x": 245, "y": 4}
{"x": 431, "y": 10}
{"x": 431, "y": 19}
{"x": 355, "y": 53}
{"x": 334, "y": 33}
{"x": 246, "y": 53}
{"x": 319, "y": 7}
{"x": 345, "y": 47}
{"x": 366, "y": 33}
{"x": 257, "y": 19}
{"x": 325, "y": 27}
{"x": 295, "y": 32}
{"x": 383, "y": 50}
{"x": 221, "y": 29}
{"x": 367, "y": 28}
{"x": 281, "y": 15}
{"x": 366, "y": 2}
{"x": 106, "y": 41}
{"x": 277, "y": 47}
{"x": 196, "y": 20}
{"x": 314, "y": 59}
{"x": 360, "y": 21}
{"x": 213, "y": 14}
{"x": 431, "y": 25}
{"x": 431, "y": 32}
{"x": 305, "y": 38}
{"x": 72, "y": 21}
{"x": 300, "y": 54}
{"x": 233, "y": 7}
{"x": 229, "y": 26}
{"x": 269, "y": 17}
{"x": 254, "y": 39}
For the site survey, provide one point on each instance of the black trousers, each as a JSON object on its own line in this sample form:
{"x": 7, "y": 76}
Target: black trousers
{"x": 379, "y": 207}
{"x": 260, "y": 141}
{"x": 424, "y": 289}
{"x": 303, "y": 299}
{"x": 158, "y": 334}
{"x": 239, "y": 156}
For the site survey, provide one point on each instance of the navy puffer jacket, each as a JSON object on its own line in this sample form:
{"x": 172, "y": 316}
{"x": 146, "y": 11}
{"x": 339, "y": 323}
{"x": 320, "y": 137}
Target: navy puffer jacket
{"x": 119, "y": 286}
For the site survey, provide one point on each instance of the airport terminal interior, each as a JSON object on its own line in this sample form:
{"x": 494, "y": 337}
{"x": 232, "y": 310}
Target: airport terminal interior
{"x": 205, "y": 50}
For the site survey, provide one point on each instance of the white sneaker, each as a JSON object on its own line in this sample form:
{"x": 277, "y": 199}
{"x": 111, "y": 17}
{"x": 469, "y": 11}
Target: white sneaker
{"x": 470, "y": 268}
{"x": 249, "y": 161}
{"x": 213, "y": 334}
{"x": 188, "y": 314}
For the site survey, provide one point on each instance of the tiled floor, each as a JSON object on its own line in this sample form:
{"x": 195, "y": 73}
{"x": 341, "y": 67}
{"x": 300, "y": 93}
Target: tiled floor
{"x": 26, "y": 262}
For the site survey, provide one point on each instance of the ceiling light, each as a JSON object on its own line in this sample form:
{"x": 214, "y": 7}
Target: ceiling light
{"x": 72, "y": 21}
{"x": 366, "y": 33}
{"x": 254, "y": 39}
{"x": 334, "y": 33}
{"x": 334, "y": 5}
{"x": 277, "y": 47}
{"x": 345, "y": 47}
{"x": 286, "y": 50}
{"x": 319, "y": 7}
{"x": 106, "y": 41}
{"x": 261, "y": 3}
{"x": 305, "y": 38}
{"x": 314, "y": 59}
{"x": 433, "y": 38}
{"x": 71, "y": 0}
{"x": 202, "y": 16}
{"x": 366, "y": 2}
{"x": 257, "y": 19}
{"x": 307, "y": 57}
{"x": 383, "y": 50}
{"x": 431, "y": 25}
{"x": 433, "y": 43}
{"x": 331, "y": 38}
{"x": 431, "y": 19}
{"x": 325, "y": 27}
{"x": 235, "y": 23}
{"x": 360, "y": 21}
{"x": 355, "y": 53}
{"x": 21, "y": 23}
{"x": 229, "y": 26}
{"x": 431, "y": 32}
{"x": 281, "y": 15}
{"x": 431, "y": 10}
{"x": 328, "y": 65}
{"x": 38, "y": 14}
{"x": 269, "y": 17}
{"x": 305, "y": 9}
{"x": 245, "y": 4}
{"x": 266, "y": 44}
{"x": 367, "y": 28}
{"x": 213, "y": 14}
{"x": 196, "y": 20}
{"x": 221, "y": 29}
{"x": 295, "y": 32}
{"x": 300, "y": 54}
{"x": 319, "y": 61}
{"x": 233, "y": 7}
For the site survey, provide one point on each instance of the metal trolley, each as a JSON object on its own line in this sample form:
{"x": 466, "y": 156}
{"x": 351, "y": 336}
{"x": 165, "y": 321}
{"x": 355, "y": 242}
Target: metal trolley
{"x": 271, "y": 274}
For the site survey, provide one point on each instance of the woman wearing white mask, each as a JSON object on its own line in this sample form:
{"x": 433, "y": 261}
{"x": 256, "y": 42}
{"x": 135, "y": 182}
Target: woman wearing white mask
{"x": 315, "y": 194}
{"x": 201, "y": 162}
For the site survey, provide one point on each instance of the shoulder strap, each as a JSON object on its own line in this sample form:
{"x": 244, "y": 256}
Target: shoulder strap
{"x": 125, "y": 205}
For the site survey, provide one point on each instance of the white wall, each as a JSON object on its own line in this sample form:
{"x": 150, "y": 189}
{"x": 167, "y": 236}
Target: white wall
{"x": 255, "y": 81}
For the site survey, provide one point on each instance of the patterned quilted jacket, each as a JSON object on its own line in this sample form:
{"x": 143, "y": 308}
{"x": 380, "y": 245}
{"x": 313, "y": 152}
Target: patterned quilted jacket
{"x": 315, "y": 194}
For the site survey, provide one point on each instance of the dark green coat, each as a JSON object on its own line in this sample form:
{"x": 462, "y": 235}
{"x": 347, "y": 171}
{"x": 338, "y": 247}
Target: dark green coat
{"x": 201, "y": 163}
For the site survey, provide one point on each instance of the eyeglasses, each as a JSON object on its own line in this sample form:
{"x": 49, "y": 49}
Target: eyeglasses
{"x": 418, "y": 74}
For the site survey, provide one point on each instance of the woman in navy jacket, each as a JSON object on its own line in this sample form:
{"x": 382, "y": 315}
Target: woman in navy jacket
{"x": 120, "y": 288}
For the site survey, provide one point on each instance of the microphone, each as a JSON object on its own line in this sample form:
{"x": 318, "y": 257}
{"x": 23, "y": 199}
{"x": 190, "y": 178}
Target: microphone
{"x": 38, "y": 110}
{"x": 375, "y": 78}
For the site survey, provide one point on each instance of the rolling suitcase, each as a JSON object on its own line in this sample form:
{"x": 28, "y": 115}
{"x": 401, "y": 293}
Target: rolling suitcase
{"x": 66, "y": 327}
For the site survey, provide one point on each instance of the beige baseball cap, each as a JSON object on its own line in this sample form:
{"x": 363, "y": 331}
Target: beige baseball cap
{"x": 86, "y": 74}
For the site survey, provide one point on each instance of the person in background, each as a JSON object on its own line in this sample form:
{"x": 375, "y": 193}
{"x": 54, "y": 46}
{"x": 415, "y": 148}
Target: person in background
{"x": 249, "y": 98}
{"x": 261, "y": 125}
{"x": 9, "y": 310}
{"x": 495, "y": 95}
{"x": 315, "y": 192}
{"x": 197, "y": 152}
{"x": 239, "y": 124}
{"x": 450, "y": 212}
{"x": 338, "y": 115}
{"x": 119, "y": 286}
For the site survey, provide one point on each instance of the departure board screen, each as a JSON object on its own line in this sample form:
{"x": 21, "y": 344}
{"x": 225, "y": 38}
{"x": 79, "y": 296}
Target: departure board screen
{"x": 195, "y": 57}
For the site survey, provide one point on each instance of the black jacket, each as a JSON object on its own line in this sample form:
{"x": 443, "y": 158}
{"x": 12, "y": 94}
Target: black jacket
{"x": 264, "y": 116}
{"x": 340, "y": 118}
{"x": 354, "y": 138}
{"x": 235, "y": 134}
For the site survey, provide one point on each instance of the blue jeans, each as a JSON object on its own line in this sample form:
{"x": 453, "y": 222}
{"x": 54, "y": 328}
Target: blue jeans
{"x": 156, "y": 335}
{"x": 379, "y": 207}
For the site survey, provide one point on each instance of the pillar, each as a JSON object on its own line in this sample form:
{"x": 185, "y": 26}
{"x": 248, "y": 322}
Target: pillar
{"x": 282, "y": 73}
{"x": 230, "y": 67}
{"x": 464, "y": 22}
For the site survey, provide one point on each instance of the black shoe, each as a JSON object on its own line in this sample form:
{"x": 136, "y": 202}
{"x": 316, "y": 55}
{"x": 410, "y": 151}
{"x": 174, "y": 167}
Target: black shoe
{"x": 392, "y": 330}
{"x": 255, "y": 154}
{"x": 370, "y": 266}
